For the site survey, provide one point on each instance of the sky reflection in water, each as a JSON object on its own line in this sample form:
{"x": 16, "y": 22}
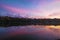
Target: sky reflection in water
{"x": 48, "y": 32}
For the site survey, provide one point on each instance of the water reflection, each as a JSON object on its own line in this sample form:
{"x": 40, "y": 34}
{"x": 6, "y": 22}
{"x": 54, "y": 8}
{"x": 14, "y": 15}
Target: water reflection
{"x": 55, "y": 29}
{"x": 43, "y": 32}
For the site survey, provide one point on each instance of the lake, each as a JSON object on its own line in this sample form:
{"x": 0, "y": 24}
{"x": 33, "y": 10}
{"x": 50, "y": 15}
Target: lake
{"x": 30, "y": 32}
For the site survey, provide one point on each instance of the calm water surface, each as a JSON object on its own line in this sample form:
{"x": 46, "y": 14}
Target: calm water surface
{"x": 40, "y": 31}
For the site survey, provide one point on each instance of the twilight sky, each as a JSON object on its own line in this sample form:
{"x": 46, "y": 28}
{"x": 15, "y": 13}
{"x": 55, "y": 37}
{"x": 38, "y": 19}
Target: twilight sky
{"x": 30, "y": 8}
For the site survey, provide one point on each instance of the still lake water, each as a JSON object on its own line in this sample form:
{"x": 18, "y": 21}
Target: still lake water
{"x": 40, "y": 31}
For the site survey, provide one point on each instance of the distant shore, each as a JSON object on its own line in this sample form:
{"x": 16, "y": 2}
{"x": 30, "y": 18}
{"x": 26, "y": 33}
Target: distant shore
{"x": 10, "y": 21}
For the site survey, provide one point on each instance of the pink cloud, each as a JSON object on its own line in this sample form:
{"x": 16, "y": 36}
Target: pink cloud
{"x": 55, "y": 14}
{"x": 13, "y": 9}
{"x": 20, "y": 10}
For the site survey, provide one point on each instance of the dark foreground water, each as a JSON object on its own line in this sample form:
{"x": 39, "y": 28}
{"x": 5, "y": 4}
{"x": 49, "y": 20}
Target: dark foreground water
{"x": 31, "y": 32}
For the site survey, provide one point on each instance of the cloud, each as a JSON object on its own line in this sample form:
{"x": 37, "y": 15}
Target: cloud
{"x": 21, "y": 11}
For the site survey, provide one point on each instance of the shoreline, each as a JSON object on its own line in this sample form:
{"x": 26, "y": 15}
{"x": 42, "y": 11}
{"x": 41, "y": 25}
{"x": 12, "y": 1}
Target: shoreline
{"x": 10, "y": 21}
